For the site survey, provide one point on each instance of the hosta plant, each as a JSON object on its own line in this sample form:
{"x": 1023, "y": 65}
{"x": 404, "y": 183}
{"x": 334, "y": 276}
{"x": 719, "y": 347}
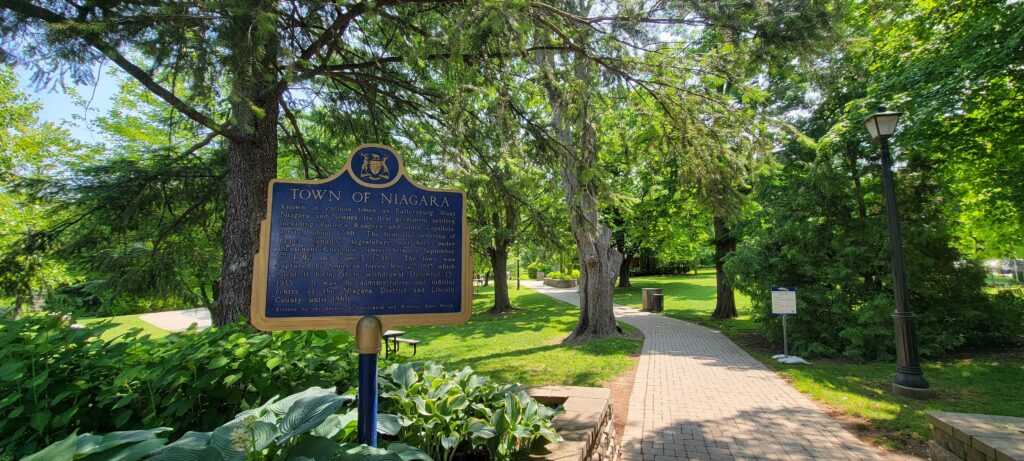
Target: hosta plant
{"x": 445, "y": 412}
{"x": 313, "y": 425}
{"x": 54, "y": 378}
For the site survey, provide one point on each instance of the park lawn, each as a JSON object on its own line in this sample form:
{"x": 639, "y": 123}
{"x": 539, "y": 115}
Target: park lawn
{"x": 121, "y": 324}
{"x": 986, "y": 382}
{"x": 525, "y": 346}
{"x": 690, "y": 298}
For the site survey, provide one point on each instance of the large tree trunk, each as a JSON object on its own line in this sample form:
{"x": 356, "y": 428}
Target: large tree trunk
{"x": 599, "y": 260}
{"x": 569, "y": 98}
{"x": 599, "y": 264}
{"x": 252, "y": 158}
{"x": 252, "y": 163}
{"x": 725, "y": 243}
{"x": 627, "y": 261}
{"x": 499, "y": 262}
{"x": 19, "y": 302}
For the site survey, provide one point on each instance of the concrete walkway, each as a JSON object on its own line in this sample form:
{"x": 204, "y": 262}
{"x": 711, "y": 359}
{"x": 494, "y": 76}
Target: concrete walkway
{"x": 179, "y": 320}
{"x": 697, "y": 395}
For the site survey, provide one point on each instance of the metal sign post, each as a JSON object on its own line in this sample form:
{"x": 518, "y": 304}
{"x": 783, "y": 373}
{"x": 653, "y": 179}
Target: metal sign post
{"x": 364, "y": 250}
{"x": 784, "y": 304}
{"x": 785, "y": 336}
{"x": 368, "y": 335}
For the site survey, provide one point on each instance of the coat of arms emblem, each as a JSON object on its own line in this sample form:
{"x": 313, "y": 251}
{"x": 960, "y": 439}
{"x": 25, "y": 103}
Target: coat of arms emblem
{"x": 374, "y": 168}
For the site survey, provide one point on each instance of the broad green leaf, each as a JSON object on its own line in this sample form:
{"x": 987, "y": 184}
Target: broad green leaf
{"x": 232, "y": 440}
{"x": 64, "y": 450}
{"x": 388, "y": 424}
{"x": 353, "y": 452}
{"x": 408, "y": 453}
{"x": 131, "y": 452}
{"x": 335, "y": 424}
{"x": 314, "y": 448}
{"x": 89, "y": 444}
{"x": 182, "y": 453}
{"x": 308, "y": 413}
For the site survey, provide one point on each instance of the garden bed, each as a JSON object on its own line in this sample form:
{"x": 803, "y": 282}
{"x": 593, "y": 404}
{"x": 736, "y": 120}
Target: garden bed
{"x": 560, "y": 283}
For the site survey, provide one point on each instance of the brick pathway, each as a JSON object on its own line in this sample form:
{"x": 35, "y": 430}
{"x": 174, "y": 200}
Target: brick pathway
{"x": 697, "y": 395}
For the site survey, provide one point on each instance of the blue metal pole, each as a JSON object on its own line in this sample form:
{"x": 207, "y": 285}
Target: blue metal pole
{"x": 368, "y": 334}
{"x": 367, "y": 427}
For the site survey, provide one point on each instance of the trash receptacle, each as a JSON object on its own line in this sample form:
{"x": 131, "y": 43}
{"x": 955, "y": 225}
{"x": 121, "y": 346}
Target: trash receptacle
{"x": 657, "y": 302}
{"x": 645, "y": 298}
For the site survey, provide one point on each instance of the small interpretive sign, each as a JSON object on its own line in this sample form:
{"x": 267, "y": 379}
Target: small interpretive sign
{"x": 367, "y": 241}
{"x": 783, "y": 300}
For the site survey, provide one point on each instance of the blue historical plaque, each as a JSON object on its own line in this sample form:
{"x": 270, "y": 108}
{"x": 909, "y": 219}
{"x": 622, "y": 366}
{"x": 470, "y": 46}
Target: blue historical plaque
{"x": 367, "y": 241}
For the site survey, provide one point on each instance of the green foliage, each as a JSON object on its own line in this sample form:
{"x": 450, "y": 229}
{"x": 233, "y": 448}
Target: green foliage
{"x": 55, "y": 378}
{"x": 538, "y": 266}
{"x": 954, "y": 68}
{"x": 821, "y": 228}
{"x": 447, "y": 412}
{"x": 443, "y": 412}
{"x": 77, "y": 299}
{"x": 573, "y": 274}
{"x": 313, "y": 425}
{"x": 820, "y": 222}
{"x": 28, "y": 149}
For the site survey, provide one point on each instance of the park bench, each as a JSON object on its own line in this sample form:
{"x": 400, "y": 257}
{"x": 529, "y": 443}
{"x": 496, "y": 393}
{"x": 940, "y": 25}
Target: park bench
{"x": 392, "y": 340}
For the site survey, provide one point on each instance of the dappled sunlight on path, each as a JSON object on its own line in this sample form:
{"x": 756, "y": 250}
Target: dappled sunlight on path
{"x": 697, "y": 395}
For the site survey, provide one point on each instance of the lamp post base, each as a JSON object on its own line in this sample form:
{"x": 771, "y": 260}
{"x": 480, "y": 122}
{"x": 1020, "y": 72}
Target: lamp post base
{"x": 908, "y": 367}
{"x": 914, "y": 392}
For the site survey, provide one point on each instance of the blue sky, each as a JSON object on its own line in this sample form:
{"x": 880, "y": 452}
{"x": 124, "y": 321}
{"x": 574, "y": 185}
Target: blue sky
{"x": 60, "y": 108}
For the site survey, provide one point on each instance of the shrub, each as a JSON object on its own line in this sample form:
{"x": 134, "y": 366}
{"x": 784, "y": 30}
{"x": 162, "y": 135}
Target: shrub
{"x": 443, "y": 412}
{"x": 54, "y": 378}
{"x": 537, "y": 266}
{"x": 818, "y": 230}
{"x": 74, "y": 298}
{"x": 571, "y": 275}
{"x": 447, "y": 412}
{"x": 314, "y": 424}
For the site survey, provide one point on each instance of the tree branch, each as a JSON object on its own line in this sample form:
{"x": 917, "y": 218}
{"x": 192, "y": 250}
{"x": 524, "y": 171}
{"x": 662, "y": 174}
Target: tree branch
{"x": 94, "y": 40}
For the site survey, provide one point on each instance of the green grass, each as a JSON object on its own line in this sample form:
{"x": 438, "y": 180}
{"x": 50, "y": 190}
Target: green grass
{"x": 690, "y": 298}
{"x": 525, "y": 346}
{"x": 987, "y": 383}
{"x": 983, "y": 382}
{"x": 123, "y": 323}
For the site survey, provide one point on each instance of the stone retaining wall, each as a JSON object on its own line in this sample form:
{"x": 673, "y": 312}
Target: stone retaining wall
{"x": 973, "y": 437}
{"x": 559, "y": 283}
{"x": 586, "y": 424}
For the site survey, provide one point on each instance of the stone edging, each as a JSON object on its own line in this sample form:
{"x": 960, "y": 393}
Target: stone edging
{"x": 560, "y": 283}
{"x": 586, "y": 424}
{"x": 974, "y": 437}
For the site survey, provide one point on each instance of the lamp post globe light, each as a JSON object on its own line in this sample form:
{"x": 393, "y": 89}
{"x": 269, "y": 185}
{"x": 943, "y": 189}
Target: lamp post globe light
{"x": 909, "y": 380}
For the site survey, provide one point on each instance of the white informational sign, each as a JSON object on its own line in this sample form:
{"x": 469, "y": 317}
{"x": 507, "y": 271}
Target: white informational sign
{"x": 783, "y": 300}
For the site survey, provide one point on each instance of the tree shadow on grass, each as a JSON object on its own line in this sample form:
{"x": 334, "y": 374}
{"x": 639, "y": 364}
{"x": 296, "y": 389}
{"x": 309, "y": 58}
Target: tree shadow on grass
{"x": 986, "y": 384}
{"x": 524, "y": 346}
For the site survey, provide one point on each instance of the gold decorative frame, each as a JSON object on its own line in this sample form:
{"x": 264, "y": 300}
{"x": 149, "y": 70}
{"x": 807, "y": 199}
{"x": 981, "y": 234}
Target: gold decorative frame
{"x": 261, "y": 264}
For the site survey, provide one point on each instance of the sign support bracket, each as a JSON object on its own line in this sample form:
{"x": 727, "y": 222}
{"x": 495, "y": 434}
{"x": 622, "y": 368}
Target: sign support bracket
{"x": 368, "y": 337}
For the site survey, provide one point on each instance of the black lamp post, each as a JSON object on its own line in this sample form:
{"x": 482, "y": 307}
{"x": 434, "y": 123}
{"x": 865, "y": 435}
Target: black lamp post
{"x": 909, "y": 379}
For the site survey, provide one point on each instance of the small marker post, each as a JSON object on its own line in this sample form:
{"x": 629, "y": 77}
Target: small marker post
{"x": 368, "y": 336}
{"x": 784, "y": 305}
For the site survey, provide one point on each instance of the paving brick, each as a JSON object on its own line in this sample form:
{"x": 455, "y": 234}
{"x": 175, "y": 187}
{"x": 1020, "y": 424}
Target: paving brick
{"x": 697, "y": 395}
